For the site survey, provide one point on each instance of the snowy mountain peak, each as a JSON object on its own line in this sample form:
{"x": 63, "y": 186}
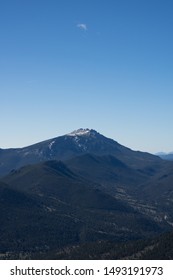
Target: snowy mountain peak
{"x": 80, "y": 132}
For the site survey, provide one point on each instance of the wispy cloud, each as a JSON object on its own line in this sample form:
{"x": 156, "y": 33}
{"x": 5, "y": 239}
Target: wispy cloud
{"x": 82, "y": 26}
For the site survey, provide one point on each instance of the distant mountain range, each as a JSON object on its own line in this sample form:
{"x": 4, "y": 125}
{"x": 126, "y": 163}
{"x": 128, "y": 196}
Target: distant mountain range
{"x": 166, "y": 156}
{"x": 77, "y": 189}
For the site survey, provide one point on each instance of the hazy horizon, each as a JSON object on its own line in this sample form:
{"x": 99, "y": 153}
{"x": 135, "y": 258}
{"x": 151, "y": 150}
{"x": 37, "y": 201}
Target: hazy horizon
{"x": 105, "y": 65}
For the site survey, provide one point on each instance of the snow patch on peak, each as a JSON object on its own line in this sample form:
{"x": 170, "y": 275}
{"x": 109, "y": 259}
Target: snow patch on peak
{"x": 79, "y": 132}
{"x": 50, "y": 145}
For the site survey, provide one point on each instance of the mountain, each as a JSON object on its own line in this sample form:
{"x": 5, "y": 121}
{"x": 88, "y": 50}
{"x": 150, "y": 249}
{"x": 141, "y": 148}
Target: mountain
{"x": 54, "y": 179}
{"x": 106, "y": 170}
{"x": 76, "y": 143}
{"x": 82, "y": 188}
{"x": 166, "y": 156}
{"x": 46, "y": 206}
{"x": 148, "y": 191}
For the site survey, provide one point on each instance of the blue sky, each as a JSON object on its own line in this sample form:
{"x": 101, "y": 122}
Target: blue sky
{"x": 101, "y": 64}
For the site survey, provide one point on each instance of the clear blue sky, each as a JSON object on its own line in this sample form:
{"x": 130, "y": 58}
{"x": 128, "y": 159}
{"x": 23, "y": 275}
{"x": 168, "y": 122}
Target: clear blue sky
{"x": 101, "y": 64}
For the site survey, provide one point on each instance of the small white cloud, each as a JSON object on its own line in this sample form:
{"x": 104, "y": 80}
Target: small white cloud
{"x": 82, "y": 26}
